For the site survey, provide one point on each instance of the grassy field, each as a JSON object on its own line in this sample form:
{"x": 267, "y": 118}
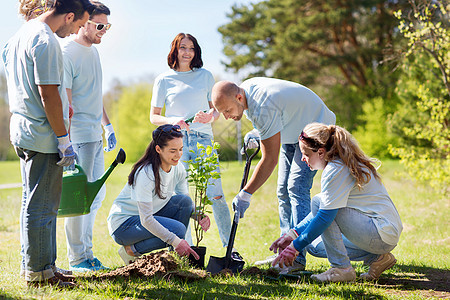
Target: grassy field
{"x": 423, "y": 253}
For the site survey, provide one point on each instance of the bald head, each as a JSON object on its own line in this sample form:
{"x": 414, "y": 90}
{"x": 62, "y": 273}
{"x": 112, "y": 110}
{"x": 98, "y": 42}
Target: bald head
{"x": 223, "y": 91}
{"x": 227, "y": 98}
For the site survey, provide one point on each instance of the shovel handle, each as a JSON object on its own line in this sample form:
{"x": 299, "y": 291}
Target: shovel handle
{"x": 236, "y": 214}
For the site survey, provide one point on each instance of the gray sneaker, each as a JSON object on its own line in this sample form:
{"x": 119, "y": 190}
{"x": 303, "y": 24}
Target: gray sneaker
{"x": 295, "y": 269}
{"x": 336, "y": 275}
{"x": 268, "y": 260}
{"x": 127, "y": 259}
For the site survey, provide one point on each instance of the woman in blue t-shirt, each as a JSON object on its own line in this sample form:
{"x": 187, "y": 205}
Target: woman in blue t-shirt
{"x": 353, "y": 214}
{"x": 185, "y": 91}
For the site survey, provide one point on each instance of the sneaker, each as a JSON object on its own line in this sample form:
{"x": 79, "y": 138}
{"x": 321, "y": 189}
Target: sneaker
{"x": 97, "y": 264}
{"x": 384, "y": 262}
{"x": 336, "y": 275}
{"x": 63, "y": 271}
{"x": 85, "y": 266}
{"x": 53, "y": 281}
{"x": 295, "y": 269}
{"x": 127, "y": 259}
{"x": 268, "y": 260}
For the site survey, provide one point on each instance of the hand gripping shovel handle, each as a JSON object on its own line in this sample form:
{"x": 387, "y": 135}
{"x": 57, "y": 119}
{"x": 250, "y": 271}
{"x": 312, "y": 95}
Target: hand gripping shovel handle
{"x": 236, "y": 214}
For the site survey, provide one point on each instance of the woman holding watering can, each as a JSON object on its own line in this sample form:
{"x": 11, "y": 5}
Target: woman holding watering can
{"x": 154, "y": 207}
{"x": 185, "y": 91}
{"x": 354, "y": 214}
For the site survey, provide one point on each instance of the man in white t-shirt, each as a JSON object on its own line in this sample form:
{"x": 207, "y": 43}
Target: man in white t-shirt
{"x": 83, "y": 81}
{"x": 38, "y": 128}
{"x": 278, "y": 110}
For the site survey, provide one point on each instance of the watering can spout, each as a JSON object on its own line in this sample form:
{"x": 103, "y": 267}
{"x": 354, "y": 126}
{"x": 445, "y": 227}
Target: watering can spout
{"x": 95, "y": 186}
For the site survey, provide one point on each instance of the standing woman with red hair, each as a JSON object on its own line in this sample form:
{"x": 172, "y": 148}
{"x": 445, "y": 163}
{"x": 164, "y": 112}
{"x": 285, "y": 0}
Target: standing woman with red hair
{"x": 185, "y": 91}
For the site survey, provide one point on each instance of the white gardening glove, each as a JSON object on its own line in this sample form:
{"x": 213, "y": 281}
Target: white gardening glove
{"x": 241, "y": 202}
{"x": 206, "y": 117}
{"x": 65, "y": 151}
{"x": 251, "y": 140}
{"x": 110, "y": 138}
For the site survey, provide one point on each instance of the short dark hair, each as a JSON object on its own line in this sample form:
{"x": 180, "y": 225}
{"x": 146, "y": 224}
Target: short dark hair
{"x": 99, "y": 9}
{"x": 77, "y": 7}
{"x": 172, "y": 58}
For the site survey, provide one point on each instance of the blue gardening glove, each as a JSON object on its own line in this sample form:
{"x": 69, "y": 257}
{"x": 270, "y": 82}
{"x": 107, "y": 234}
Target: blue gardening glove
{"x": 241, "y": 202}
{"x": 251, "y": 140}
{"x": 110, "y": 137}
{"x": 66, "y": 152}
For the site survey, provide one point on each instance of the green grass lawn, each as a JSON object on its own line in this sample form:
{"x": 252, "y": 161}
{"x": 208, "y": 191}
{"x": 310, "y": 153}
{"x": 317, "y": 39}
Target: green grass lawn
{"x": 423, "y": 256}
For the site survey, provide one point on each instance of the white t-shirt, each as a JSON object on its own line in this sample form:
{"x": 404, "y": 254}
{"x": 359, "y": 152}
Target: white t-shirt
{"x": 276, "y": 105}
{"x": 83, "y": 75}
{"x": 339, "y": 189}
{"x": 184, "y": 94}
{"x": 33, "y": 57}
{"x": 126, "y": 204}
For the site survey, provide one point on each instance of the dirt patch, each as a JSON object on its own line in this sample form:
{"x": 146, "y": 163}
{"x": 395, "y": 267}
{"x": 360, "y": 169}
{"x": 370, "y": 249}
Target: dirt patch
{"x": 161, "y": 264}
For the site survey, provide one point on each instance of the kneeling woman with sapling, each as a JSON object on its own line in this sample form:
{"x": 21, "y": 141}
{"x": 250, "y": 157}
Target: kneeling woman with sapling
{"x": 154, "y": 207}
{"x": 353, "y": 214}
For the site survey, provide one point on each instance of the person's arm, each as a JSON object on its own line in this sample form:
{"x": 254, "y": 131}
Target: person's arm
{"x": 270, "y": 149}
{"x": 314, "y": 228}
{"x": 157, "y": 119}
{"x": 51, "y": 100}
{"x": 105, "y": 118}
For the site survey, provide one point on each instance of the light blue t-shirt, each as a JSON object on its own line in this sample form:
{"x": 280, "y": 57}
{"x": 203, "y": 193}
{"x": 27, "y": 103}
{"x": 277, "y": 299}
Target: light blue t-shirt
{"x": 126, "y": 204}
{"x": 33, "y": 57}
{"x": 339, "y": 189}
{"x": 276, "y": 105}
{"x": 83, "y": 75}
{"x": 184, "y": 94}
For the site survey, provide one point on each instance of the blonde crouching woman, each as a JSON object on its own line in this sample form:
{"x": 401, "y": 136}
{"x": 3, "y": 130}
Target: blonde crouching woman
{"x": 353, "y": 214}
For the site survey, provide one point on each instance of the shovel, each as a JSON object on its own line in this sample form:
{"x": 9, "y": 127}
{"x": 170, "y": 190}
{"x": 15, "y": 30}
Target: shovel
{"x": 217, "y": 264}
{"x": 78, "y": 194}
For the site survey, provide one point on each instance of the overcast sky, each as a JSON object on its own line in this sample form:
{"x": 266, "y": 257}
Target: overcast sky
{"x": 138, "y": 42}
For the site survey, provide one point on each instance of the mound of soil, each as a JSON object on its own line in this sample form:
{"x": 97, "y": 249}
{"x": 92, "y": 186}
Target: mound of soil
{"x": 161, "y": 264}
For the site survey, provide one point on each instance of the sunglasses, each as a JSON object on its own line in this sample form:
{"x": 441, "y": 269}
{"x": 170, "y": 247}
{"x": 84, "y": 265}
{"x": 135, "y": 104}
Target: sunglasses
{"x": 100, "y": 26}
{"x": 168, "y": 129}
{"x": 309, "y": 141}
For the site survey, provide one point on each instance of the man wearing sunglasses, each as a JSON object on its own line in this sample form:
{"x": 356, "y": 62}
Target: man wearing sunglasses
{"x": 83, "y": 82}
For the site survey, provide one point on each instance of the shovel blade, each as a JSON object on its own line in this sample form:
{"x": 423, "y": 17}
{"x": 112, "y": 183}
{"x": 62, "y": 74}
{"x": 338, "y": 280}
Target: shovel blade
{"x": 217, "y": 264}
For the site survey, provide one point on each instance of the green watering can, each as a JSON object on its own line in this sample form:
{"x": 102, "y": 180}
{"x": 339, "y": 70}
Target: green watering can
{"x": 78, "y": 194}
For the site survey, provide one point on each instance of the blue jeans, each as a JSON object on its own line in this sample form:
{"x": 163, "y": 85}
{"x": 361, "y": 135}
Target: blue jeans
{"x": 174, "y": 216}
{"x": 42, "y": 185}
{"x": 79, "y": 229}
{"x": 295, "y": 180}
{"x": 214, "y": 190}
{"x": 352, "y": 236}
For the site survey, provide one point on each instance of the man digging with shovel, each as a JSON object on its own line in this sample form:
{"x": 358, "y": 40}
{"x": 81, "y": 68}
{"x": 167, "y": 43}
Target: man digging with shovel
{"x": 279, "y": 110}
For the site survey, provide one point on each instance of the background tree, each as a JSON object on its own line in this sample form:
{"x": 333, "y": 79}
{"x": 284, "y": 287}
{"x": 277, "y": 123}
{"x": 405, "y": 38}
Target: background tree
{"x": 422, "y": 118}
{"x": 131, "y": 119}
{"x": 335, "y": 47}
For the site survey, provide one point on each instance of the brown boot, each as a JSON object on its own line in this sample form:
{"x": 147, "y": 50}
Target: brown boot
{"x": 384, "y": 262}
{"x": 53, "y": 281}
{"x": 65, "y": 278}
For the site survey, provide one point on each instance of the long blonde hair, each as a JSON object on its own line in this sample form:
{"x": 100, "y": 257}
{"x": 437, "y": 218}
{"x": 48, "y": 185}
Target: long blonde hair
{"x": 339, "y": 143}
{"x": 31, "y": 9}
